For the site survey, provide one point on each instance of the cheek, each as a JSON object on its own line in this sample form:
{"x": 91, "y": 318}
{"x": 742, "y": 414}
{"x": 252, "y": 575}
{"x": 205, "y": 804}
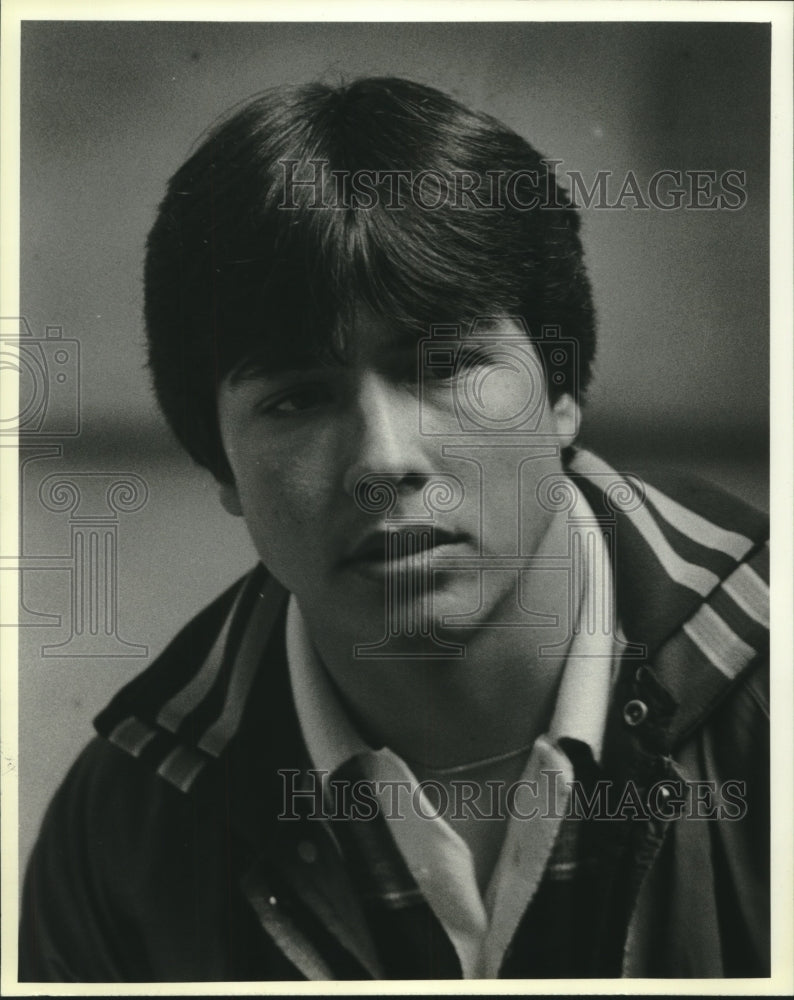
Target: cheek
{"x": 280, "y": 518}
{"x": 541, "y": 480}
{"x": 282, "y": 495}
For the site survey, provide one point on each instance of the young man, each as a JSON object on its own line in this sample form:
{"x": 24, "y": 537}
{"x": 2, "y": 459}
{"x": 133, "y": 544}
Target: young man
{"x": 487, "y": 707}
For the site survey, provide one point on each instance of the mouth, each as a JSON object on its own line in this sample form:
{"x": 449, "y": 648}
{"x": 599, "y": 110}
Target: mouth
{"x": 403, "y": 548}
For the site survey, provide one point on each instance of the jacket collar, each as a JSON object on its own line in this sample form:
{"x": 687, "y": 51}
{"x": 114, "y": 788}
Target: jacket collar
{"x": 691, "y": 565}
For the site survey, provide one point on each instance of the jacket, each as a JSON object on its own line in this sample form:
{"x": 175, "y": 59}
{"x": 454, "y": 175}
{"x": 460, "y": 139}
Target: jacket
{"x": 162, "y": 858}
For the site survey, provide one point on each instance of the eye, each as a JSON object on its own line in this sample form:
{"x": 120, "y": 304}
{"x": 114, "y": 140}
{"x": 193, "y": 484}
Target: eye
{"x": 466, "y": 359}
{"x": 472, "y": 357}
{"x": 296, "y": 400}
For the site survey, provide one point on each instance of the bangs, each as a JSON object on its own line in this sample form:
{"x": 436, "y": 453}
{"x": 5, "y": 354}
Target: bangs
{"x": 412, "y": 268}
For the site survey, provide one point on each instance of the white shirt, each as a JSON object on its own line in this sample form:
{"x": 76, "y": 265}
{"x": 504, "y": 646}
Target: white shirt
{"x": 480, "y": 927}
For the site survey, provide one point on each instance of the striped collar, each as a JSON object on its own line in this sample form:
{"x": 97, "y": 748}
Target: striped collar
{"x": 691, "y": 571}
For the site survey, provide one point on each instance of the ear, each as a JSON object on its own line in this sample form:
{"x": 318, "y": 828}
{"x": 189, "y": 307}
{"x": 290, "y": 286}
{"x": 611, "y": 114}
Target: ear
{"x": 230, "y": 500}
{"x": 565, "y": 416}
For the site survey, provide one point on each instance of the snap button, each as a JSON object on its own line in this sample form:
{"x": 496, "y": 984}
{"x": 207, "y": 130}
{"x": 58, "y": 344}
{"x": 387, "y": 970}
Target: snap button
{"x": 635, "y": 712}
{"x": 307, "y": 851}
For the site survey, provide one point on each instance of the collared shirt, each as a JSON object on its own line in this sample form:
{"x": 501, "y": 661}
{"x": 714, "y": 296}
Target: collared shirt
{"x": 480, "y": 927}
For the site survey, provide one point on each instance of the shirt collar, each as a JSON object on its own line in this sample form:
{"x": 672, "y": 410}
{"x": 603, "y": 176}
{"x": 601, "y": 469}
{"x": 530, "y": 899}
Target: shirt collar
{"x": 582, "y": 700}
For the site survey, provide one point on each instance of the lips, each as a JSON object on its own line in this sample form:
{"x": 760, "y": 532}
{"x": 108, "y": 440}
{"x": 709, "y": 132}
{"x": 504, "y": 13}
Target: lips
{"x": 400, "y": 545}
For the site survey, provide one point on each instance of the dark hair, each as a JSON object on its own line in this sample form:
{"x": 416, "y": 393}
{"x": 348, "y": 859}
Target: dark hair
{"x": 244, "y": 259}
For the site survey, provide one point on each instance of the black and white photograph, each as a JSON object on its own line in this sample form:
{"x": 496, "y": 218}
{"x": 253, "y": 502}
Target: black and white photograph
{"x": 390, "y": 403}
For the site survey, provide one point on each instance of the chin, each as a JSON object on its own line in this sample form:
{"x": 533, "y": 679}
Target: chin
{"x": 414, "y": 626}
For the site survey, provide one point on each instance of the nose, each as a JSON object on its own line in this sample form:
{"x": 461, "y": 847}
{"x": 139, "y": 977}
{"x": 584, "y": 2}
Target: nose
{"x": 385, "y": 438}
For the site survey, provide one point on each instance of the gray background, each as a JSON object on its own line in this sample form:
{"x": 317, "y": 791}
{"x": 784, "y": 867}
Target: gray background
{"x": 110, "y": 110}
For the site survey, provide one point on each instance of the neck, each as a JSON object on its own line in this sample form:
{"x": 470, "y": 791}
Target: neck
{"x": 445, "y": 714}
